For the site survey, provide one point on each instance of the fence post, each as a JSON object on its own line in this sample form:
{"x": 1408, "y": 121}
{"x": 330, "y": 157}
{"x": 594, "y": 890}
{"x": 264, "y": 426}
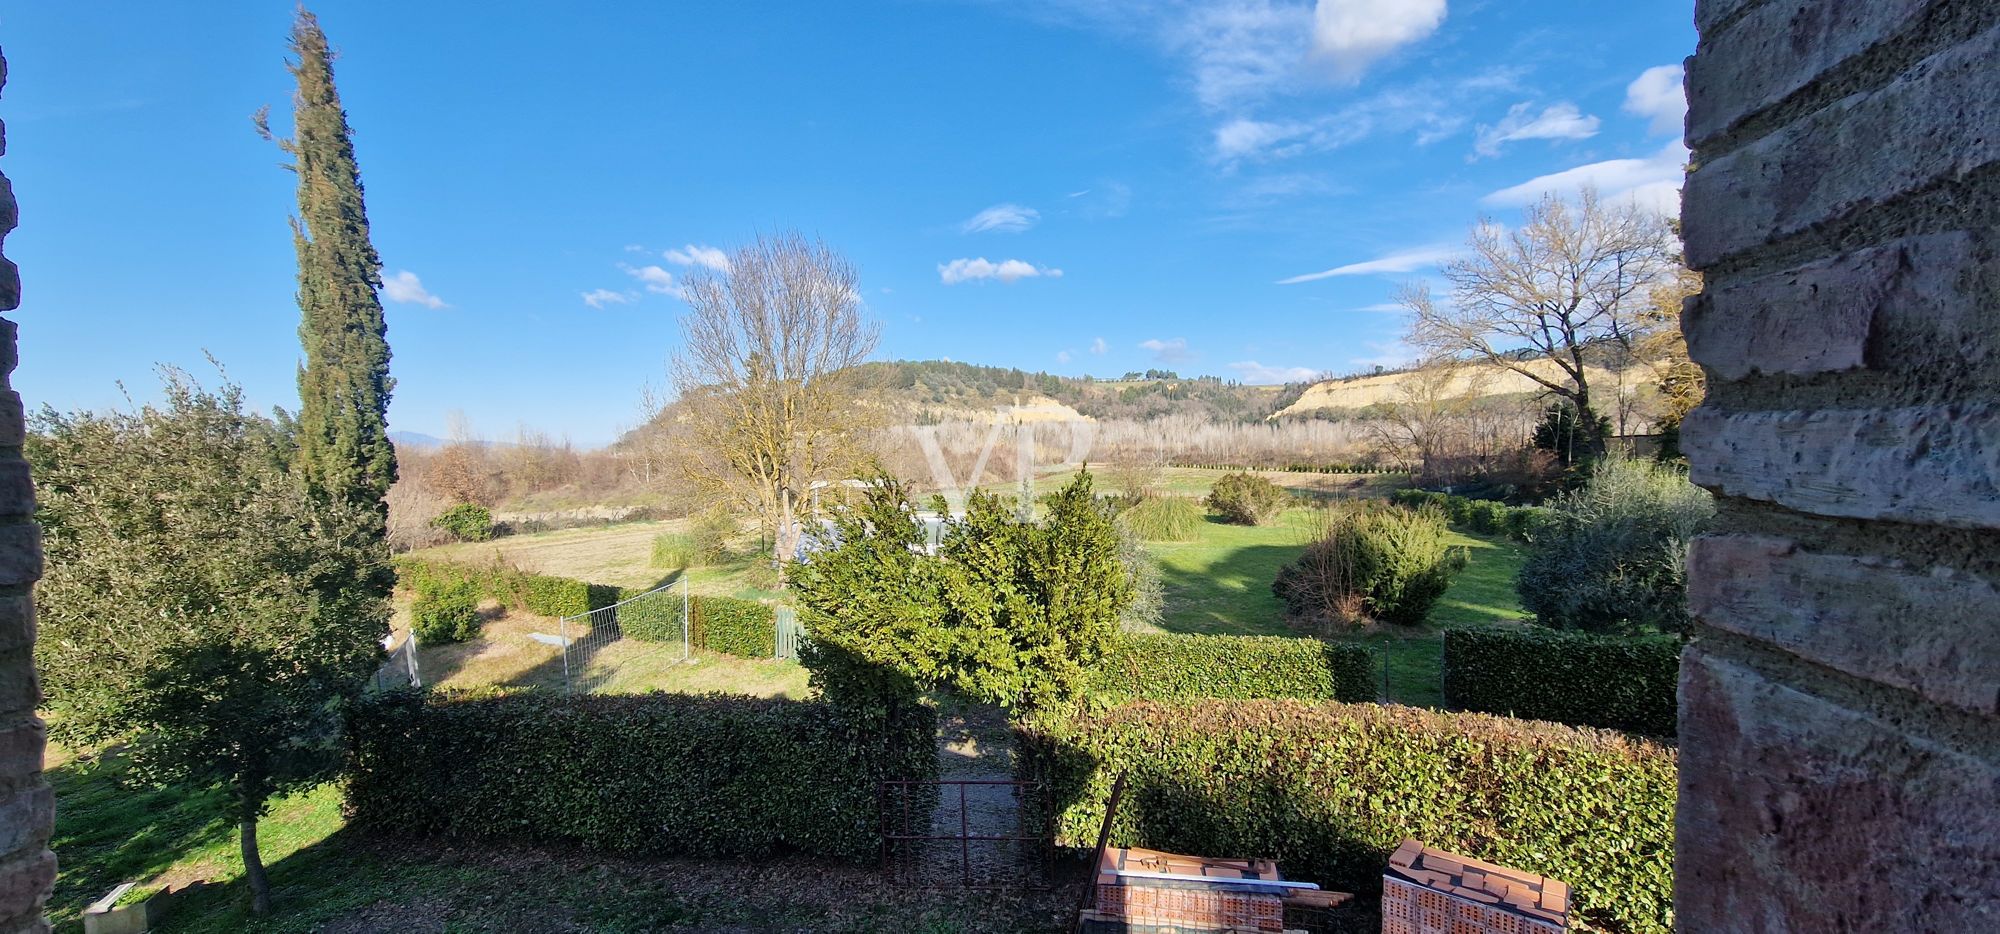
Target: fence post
{"x": 563, "y": 634}
{"x": 410, "y": 657}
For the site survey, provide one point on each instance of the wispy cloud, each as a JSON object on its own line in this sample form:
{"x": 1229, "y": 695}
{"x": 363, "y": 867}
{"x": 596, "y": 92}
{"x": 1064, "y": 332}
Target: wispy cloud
{"x": 598, "y": 298}
{"x": 1098, "y": 346}
{"x": 1385, "y": 354}
{"x": 705, "y": 256}
{"x": 1658, "y": 95}
{"x": 1001, "y": 218}
{"x": 1354, "y": 34}
{"x": 653, "y": 278}
{"x": 1556, "y": 121}
{"x": 1064, "y": 356}
{"x": 982, "y": 269}
{"x": 1173, "y": 350}
{"x": 1429, "y": 109}
{"x": 1653, "y": 182}
{"x": 406, "y": 288}
{"x": 1401, "y": 261}
{"x": 1257, "y": 374}
{"x": 1384, "y": 308}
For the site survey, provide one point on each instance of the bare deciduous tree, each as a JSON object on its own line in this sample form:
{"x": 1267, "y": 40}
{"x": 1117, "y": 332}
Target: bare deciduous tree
{"x": 1573, "y": 282}
{"x": 769, "y": 400}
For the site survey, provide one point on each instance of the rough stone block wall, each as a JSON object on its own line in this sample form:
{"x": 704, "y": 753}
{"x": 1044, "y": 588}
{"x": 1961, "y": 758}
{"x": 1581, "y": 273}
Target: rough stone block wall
{"x": 27, "y": 807}
{"x": 1840, "y": 703}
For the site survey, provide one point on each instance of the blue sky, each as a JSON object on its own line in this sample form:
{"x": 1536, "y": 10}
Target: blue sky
{"x": 1081, "y": 186}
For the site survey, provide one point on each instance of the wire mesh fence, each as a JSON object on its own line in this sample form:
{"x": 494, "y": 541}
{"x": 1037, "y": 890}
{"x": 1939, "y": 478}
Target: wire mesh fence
{"x": 972, "y": 833}
{"x": 646, "y": 629}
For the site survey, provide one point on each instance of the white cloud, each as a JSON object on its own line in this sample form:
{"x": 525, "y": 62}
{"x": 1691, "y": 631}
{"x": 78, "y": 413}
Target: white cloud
{"x": 1062, "y": 356}
{"x": 634, "y": 248}
{"x": 405, "y": 287}
{"x": 1257, "y": 374}
{"x": 1097, "y": 346}
{"x": 653, "y": 278}
{"x": 704, "y": 256}
{"x": 1402, "y": 261}
{"x": 981, "y": 269}
{"x": 598, "y": 298}
{"x": 1001, "y": 218}
{"x": 1556, "y": 121}
{"x": 1653, "y": 182}
{"x": 1657, "y": 95}
{"x": 1174, "y": 350}
{"x": 1355, "y": 34}
{"x": 1429, "y": 109}
{"x": 1386, "y": 354}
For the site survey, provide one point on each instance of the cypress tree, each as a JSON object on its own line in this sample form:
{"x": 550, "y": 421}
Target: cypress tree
{"x": 344, "y": 449}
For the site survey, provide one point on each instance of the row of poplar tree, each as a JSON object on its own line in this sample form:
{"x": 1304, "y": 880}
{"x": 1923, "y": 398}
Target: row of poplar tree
{"x": 218, "y": 581}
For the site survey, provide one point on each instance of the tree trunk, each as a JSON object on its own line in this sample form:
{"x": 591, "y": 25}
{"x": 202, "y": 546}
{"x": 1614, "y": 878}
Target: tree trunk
{"x": 253, "y": 870}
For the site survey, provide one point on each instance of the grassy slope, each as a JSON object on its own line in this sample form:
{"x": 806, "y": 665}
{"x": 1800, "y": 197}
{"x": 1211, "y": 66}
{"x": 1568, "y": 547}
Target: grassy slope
{"x": 612, "y": 554}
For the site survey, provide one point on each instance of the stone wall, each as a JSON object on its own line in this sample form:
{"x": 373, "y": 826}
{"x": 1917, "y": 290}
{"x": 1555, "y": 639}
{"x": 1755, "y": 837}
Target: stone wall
{"x": 27, "y": 808}
{"x": 1840, "y": 704}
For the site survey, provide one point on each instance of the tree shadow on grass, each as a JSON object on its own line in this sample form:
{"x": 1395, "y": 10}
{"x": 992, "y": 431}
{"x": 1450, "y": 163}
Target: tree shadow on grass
{"x": 1229, "y": 595}
{"x": 110, "y": 829}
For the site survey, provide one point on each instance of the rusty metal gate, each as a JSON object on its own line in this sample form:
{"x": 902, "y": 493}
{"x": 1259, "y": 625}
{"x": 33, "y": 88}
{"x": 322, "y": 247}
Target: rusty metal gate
{"x": 974, "y": 833}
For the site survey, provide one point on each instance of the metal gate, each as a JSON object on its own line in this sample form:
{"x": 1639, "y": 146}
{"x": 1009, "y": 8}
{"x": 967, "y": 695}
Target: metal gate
{"x": 975, "y": 833}
{"x": 789, "y": 633}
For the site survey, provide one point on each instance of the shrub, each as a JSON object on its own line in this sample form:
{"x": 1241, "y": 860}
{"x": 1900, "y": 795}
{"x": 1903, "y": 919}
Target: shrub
{"x": 1619, "y": 683}
{"x": 1149, "y": 596}
{"x": 710, "y": 534}
{"x": 1611, "y": 556}
{"x": 1175, "y": 667}
{"x": 1330, "y": 789}
{"x": 467, "y": 522}
{"x": 446, "y": 612}
{"x": 1164, "y": 519}
{"x": 1486, "y": 517}
{"x": 513, "y": 588}
{"x": 1390, "y": 564}
{"x": 652, "y": 774}
{"x": 744, "y": 628}
{"x": 654, "y": 619}
{"x": 1247, "y": 499}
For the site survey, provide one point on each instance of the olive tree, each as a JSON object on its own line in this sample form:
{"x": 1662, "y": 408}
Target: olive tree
{"x": 200, "y": 605}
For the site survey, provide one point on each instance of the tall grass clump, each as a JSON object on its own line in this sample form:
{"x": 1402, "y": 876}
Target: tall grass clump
{"x": 1164, "y": 519}
{"x": 1611, "y": 556}
{"x": 1371, "y": 563}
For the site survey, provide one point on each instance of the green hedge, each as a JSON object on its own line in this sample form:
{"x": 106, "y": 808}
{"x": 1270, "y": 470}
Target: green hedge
{"x": 735, "y": 627}
{"x": 445, "y": 612}
{"x": 1330, "y": 789}
{"x": 1621, "y": 683}
{"x": 540, "y": 594}
{"x": 653, "y": 774}
{"x": 1486, "y": 517}
{"x": 1175, "y": 667}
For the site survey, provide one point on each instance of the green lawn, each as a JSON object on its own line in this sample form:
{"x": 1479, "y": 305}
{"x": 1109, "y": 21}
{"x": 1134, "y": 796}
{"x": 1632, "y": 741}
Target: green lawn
{"x": 1221, "y": 584}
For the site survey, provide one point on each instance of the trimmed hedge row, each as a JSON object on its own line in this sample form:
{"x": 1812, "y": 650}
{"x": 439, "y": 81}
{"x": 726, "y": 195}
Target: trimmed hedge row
{"x": 653, "y": 774}
{"x": 1174, "y": 667}
{"x": 539, "y": 594}
{"x": 735, "y": 627}
{"x": 1330, "y": 789}
{"x": 1620, "y": 683}
{"x": 1301, "y": 468}
{"x": 1484, "y": 516}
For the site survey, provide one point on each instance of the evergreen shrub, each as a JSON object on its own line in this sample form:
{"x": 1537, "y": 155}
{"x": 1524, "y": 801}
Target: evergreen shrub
{"x": 1389, "y": 564}
{"x": 1164, "y": 519}
{"x": 446, "y": 612}
{"x": 647, "y": 774}
{"x": 1611, "y": 556}
{"x": 1163, "y": 666}
{"x": 1247, "y": 499}
{"x": 1329, "y": 790}
{"x": 466, "y": 522}
{"x": 1616, "y": 682}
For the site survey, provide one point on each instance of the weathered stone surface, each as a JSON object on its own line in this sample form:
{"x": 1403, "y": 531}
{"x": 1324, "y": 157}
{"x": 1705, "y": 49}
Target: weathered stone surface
{"x": 20, "y": 553}
{"x": 17, "y": 621}
{"x": 21, "y": 746}
{"x": 1935, "y": 632}
{"x": 17, "y": 490}
{"x": 1779, "y": 48}
{"x": 1707, "y": 13}
{"x": 20, "y": 689}
{"x": 24, "y": 885}
{"x": 1934, "y": 122}
{"x": 1797, "y": 814}
{"x": 25, "y": 818}
{"x": 1825, "y": 316}
{"x": 13, "y": 418}
{"x": 1937, "y": 465}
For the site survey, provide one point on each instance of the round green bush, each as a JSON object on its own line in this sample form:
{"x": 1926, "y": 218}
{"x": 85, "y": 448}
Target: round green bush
{"x": 1247, "y": 499}
{"x": 1611, "y": 556}
{"x": 467, "y": 522}
{"x": 1389, "y": 563}
{"x": 446, "y": 612}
